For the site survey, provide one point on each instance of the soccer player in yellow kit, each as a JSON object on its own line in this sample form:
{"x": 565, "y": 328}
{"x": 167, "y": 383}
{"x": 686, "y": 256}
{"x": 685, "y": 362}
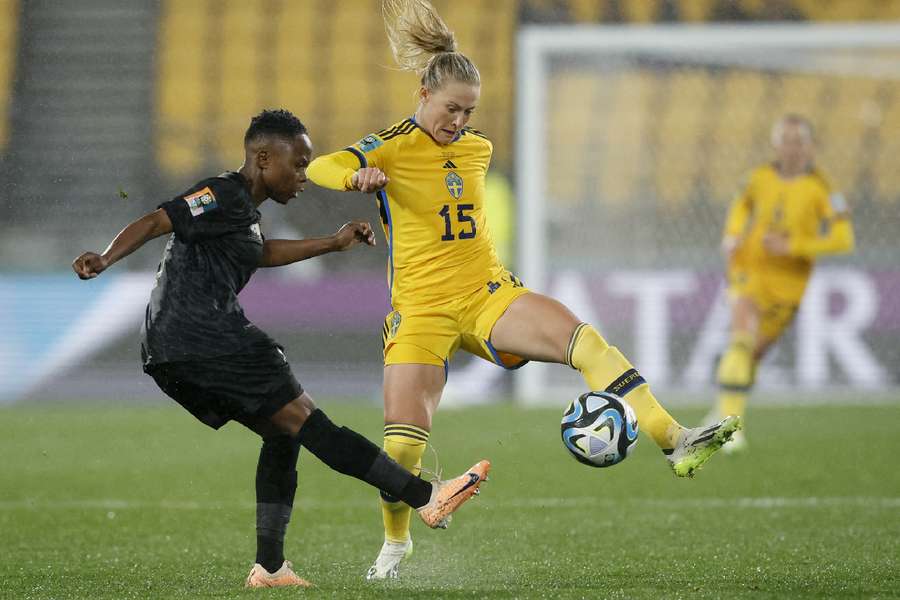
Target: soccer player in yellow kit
{"x": 786, "y": 216}
{"x": 449, "y": 290}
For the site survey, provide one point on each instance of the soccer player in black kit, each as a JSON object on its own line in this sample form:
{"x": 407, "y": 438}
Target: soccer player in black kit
{"x": 204, "y": 353}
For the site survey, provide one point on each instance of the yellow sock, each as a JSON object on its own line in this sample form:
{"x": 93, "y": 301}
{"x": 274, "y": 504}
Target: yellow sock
{"x": 405, "y": 444}
{"x": 735, "y": 375}
{"x": 604, "y": 368}
{"x": 732, "y": 403}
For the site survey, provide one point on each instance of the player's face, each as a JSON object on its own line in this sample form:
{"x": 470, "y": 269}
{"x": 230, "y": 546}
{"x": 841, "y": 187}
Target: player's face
{"x": 444, "y": 112}
{"x": 285, "y": 172}
{"x": 794, "y": 146}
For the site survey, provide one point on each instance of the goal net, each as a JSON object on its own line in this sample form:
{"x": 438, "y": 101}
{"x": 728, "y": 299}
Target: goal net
{"x": 631, "y": 143}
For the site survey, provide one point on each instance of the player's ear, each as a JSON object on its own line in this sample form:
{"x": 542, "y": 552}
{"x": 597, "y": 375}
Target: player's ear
{"x": 423, "y": 94}
{"x": 263, "y": 158}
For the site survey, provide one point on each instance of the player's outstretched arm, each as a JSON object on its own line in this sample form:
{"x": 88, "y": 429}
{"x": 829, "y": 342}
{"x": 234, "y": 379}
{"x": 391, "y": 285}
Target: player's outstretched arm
{"x": 341, "y": 171}
{"x": 839, "y": 240}
{"x": 284, "y": 252}
{"x": 135, "y": 235}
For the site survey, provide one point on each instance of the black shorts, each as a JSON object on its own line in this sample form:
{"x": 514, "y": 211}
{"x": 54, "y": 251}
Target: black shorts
{"x": 256, "y": 383}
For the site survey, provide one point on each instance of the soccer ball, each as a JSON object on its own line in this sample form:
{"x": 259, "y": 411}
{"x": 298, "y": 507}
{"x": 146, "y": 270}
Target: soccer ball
{"x": 599, "y": 429}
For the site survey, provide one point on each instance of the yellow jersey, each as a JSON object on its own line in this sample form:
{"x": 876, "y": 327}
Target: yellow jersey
{"x": 806, "y": 209}
{"x": 432, "y": 209}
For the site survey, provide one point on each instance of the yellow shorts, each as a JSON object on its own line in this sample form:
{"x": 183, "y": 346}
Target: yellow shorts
{"x": 775, "y": 314}
{"x": 432, "y": 334}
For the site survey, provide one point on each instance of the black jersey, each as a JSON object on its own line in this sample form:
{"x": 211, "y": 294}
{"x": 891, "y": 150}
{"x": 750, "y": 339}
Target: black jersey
{"x": 215, "y": 247}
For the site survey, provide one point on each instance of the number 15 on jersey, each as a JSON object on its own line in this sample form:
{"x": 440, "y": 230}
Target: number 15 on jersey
{"x": 466, "y": 229}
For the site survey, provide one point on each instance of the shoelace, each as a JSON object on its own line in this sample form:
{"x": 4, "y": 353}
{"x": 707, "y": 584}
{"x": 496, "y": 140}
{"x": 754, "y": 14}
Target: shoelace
{"x": 436, "y": 475}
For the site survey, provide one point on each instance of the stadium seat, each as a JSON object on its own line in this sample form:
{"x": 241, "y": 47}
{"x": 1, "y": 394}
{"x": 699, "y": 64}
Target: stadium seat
{"x": 683, "y": 128}
{"x": 586, "y": 11}
{"x": 570, "y": 172}
{"x": 9, "y": 17}
{"x": 692, "y": 11}
{"x": 884, "y": 164}
{"x": 848, "y": 10}
{"x": 642, "y": 11}
{"x": 738, "y": 133}
{"x": 350, "y": 66}
{"x": 843, "y": 128}
{"x": 244, "y": 85}
{"x": 297, "y": 66}
{"x": 183, "y": 91}
{"x": 621, "y": 131}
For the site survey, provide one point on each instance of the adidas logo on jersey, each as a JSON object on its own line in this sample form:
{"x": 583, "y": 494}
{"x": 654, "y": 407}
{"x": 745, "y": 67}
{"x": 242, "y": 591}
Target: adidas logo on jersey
{"x": 449, "y": 165}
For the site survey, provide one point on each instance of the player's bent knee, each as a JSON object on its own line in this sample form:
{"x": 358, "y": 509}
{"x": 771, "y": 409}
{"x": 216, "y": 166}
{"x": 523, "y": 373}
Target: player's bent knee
{"x": 291, "y": 417}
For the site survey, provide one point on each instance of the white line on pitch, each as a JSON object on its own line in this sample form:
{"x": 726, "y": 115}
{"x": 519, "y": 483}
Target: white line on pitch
{"x": 111, "y": 504}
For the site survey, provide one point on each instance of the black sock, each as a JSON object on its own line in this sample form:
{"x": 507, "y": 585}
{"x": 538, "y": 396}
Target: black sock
{"x": 349, "y": 453}
{"x": 276, "y": 484}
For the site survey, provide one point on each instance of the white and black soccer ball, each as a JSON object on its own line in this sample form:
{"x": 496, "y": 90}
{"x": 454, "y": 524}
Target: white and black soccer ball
{"x": 599, "y": 429}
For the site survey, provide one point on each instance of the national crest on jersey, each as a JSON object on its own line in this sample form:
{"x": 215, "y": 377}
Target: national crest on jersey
{"x": 454, "y": 184}
{"x": 395, "y": 324}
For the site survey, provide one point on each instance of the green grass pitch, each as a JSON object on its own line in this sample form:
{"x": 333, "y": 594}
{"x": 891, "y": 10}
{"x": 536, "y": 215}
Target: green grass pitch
{"x": 105, "y": 502}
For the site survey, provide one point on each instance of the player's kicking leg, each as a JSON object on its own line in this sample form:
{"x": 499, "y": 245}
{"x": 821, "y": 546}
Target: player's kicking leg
{"x": 349, "y": 453}
{"x": 536, "y": 326}
{"x": 604, "y": 367}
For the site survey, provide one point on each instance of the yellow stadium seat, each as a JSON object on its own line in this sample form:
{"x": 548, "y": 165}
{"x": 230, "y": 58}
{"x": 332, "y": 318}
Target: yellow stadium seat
{"x": 296, "y": 70}
{"x": 884, "y": 163}
{"x": 740, "y": 132}
{"x": 243, "y": 83}
{"x": 9, "y": 17}
{"x": 566, "y": 118}
{"x": 586, "y": 11}
{"x": 842, "y": 129}
{"x": 184, "y": 93}
{"x": 683, "y": 124}
{"x": 696, "y": 10}
{"x": 849, "y": 10}
{"x": 641, "y": 11}
{"x": 621, "y": 132}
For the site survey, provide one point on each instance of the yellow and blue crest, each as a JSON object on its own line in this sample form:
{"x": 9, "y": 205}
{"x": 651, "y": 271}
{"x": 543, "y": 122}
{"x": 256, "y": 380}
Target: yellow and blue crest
{"x": 395, "y": 323}
{"x": 454, "y": 184}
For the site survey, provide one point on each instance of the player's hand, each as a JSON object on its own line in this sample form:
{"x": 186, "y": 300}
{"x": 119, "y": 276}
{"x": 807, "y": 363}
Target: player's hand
{"x": 89, "y": 265}
{"x": 729, "y": 246}
{"x": 777, "y": 244}
{"x": 353, "y": 233}
{"x": 369, "y": 179}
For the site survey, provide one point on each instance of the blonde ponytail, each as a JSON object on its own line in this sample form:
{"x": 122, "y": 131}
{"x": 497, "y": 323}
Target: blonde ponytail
{"x": 422, "y": 42}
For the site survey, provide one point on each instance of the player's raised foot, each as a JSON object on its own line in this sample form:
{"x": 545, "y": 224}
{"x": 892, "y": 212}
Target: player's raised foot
{"x": 696, "y": 445}
{"x": 449, "y": 495}
{"x": 387, "y": 565}
{"x": 737, "y": 444}
{"x": 283, "y": 577}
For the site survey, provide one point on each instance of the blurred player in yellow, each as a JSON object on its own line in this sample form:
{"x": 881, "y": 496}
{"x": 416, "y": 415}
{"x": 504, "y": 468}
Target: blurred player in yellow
{"x": 786, "y": 216}
{"x": 449, "y": 290}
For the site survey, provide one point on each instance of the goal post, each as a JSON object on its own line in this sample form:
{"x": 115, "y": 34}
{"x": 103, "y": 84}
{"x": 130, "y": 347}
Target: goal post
{"x": 630, "y": 143}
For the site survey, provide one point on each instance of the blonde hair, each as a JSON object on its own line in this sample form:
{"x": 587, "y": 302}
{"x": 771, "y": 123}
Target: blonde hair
{"x": 791, "y": 119}
{"x": 422, "y": 42}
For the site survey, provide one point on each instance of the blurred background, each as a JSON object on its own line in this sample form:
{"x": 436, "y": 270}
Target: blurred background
{"x": 108, "y": 108}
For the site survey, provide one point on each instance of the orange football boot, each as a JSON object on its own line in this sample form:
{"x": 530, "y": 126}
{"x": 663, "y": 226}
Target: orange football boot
{"x": 283, "y": 577}
{"x": 447, "y": 496}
